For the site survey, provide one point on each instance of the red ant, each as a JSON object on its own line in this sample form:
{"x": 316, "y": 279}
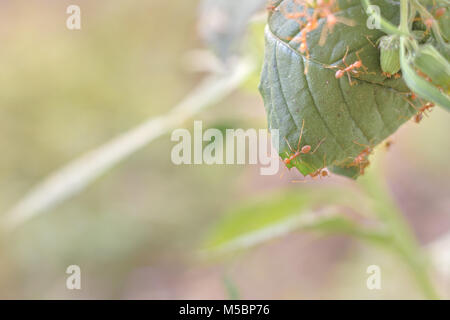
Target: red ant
{"x": 420, "y": 111}
{"x": 419, "y": 116}
{"x": 388, "y": 144}
{"x": 322, "y": 172}
{"x": 349, "y": 68}
{"x": 423, "y": 75}
{"x": 361, "y": 159}
{"x": 271, "y": 7}
{"x": 429, "y": 23}
{"x": 311, "y": 24}
{"x": 304, "y": 150}
{"x": 324, "y": 9}
{"x": 395, "y": 75}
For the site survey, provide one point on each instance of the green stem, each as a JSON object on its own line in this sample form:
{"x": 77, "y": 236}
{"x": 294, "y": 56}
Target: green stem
{"x": 403, "y": 241}
{"x": 385, "y": 25}
{"x": 404, "y": 16}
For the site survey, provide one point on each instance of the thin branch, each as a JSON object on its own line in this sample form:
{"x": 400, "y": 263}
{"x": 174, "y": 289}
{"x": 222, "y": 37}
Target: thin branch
{"x": 78, "y": 174}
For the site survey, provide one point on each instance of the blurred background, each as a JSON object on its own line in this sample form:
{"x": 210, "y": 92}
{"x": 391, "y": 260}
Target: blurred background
{"x": 139, "y": 231}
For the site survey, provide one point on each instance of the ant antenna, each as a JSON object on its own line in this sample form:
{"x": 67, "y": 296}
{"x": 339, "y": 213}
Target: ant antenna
{"x": 301, "y": 134}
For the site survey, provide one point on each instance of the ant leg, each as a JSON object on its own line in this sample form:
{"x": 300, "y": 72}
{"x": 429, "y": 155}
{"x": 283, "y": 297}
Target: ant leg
{"x": 324, "y": 165}
{"x": 323, "y": 35}
{"x": 366, "y": 70}
{"x": 360, "y": 144}
{"x": 345, "y": 56}
{"x": 411, "y": 104}
{"x": 301, "y": 134}
{"x": 321, "y": 141}
{"x": 347, "y": 22}
{"x": 290, "y": 148}
{"x": 371, "y": 42}
{"x": 350, "y": 79}
{"x": 299, "y": 181}
{"x": 298, "y": 161}
{"x": 368, "y": 147}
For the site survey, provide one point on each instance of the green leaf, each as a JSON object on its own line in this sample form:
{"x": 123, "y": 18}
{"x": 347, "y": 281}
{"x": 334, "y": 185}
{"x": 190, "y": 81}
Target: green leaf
{"x": 279, "y": 214}
{"x": 348, "y": 117}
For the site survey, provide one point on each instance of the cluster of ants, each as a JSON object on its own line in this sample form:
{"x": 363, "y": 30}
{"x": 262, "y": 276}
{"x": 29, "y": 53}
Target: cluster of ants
{"x": 361, "y": 160}
{"x": 438, "y": 13}
{"x": 308, "y": 21}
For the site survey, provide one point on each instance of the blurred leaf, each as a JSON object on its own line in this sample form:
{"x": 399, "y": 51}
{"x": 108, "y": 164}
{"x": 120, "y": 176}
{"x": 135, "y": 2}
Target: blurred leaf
{"x": 348, "y": 117}
{"x": 280, "y": 214}
{"x": 444, "y": 24}
{"x": 418, "y": 84}
{"x": 429, "y": 60}
{"x": 402, "y": 239}
{"x": 255, "y": 47}
{"x": 231, "y": 288}
{"x": 223, "y": 23}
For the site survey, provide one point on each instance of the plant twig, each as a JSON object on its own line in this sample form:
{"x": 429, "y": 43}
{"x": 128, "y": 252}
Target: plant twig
{"x": 403, "y": 242}
{"x": 78, "y": 174}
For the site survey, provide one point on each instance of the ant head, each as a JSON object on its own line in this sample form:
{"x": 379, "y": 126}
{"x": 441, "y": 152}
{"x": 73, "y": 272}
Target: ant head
{"x": 358, "y": 64}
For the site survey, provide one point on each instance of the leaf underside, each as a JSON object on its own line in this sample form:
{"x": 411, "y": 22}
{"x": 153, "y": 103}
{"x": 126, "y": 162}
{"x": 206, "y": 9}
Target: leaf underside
{"x": 348, "y": 117}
